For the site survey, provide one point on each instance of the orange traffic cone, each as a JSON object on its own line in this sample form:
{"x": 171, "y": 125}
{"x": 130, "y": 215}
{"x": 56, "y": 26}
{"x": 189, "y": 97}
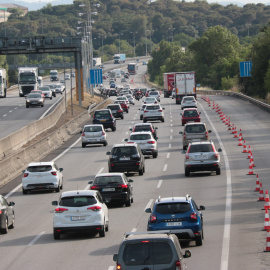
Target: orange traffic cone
{"x": 240, "y": 141}
{"x": 225, "y": 119}
{"x": 266, "y": 221}
{"x": 261, "y": 194}
{"x": 251, "y": 161}
{"x": 267, "y": 249}
{"x": 267, "y": 202}
{"x": 257, "y": 184}
{"x": 240, "y": 133}
{"x": 245, "y": 147}
{"x": 249, "y": 153}
{"x": 235, "y": 134}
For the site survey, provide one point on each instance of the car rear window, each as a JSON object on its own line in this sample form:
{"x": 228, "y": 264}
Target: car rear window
{"x": 195, "y": 129}
{"x": 102, "y": 114}
{"x": 108, "y": 180}
{"x": 42, "y": 168}
{"x": 124, "y": 151}
{"x": 200, "y": 148}
{"x": 190, "y": 113}
{"x": 173, "y": 208}
{"x": 147, "y": 253}
{"x": 114, "y": 107}
{"x": 136, "y": 137}
{"x": 154, "y": 107}
{"x": 188, "y": 99}
{"x": 77, "y": 201}
{"x": 143, "y": 128}
{"x": 92, "y": 129}
{"x": 153, "y": 93}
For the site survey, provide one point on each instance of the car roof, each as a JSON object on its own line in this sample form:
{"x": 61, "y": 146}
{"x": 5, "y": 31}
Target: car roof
{"x": 123, "y": 144}
{"x": 172, "y": 199}
{"x": 93, "y": 125}
{"x": 102, "y": 110}
{"x": 146, "y": 235}
{"x": 141, "y": 132}
{"x": 196, "y": 124}
{"x": 40, "y": 163}
{"x": 202, "y": 142}
{"x": 143, "y": 124}
{"x": 109, "y": 174}
{"x": 79, "y": 192}
{"x": 190, "y": 109}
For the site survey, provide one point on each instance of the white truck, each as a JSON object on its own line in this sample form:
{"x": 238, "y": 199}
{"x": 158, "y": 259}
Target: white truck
{"x": 96, "y": 61}
{"x": 117, "y": 72}
{"x": 3, "y": 83}
{"x": 184, "y": 85}
{"x": 27, "y": 80}
{"x": 40, "y": 83}
{"x": 54, "y": 76}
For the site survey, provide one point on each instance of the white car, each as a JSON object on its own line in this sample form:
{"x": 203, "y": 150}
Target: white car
{"x": 80, "y": 210}
{"x": 188, "y": 102}
{"x": 146, "y": 142}
{"x": 123, "y": 98}
{"x": 154, "y": 94}
{"x": 130, "y": 99}
{"x": 93, "y": 134}
{"x": 141, "y": 111}
{"x": 42, "y": 175}
{"x": 59, "y": 88}
{"x": 153, "y": 112}
{"x": 150, "y": 100}
{"x": 46, "y": 91}
{"x": 67, "y": 76}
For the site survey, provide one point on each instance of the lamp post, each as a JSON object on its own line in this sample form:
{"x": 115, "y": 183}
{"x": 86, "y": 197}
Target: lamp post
{"x": 120, "y": 41}
{"x": 171, "y": 29}
{"x": 134, "y": 52}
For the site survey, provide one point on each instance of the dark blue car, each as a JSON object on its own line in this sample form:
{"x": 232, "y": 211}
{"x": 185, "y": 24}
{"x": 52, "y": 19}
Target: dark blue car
{"x": 180, "y": 215}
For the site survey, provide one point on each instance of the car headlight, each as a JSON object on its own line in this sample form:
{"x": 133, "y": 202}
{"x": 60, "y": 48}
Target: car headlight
{"x": 41, "y": 100}
{"x": 27, "y": 100}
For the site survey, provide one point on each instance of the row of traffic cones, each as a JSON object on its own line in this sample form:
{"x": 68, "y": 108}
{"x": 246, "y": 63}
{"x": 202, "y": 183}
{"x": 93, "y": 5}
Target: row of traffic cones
{"x": 241, "y": 142}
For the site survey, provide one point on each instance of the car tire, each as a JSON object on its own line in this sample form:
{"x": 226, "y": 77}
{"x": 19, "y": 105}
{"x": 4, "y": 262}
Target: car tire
{"x": 218, "y": 172}
{"x": 144, "y": 120}
{"x": 187, "y": 172}
{"x": 141, "y": 117}
{"x": 126, "y": 111}
{"x": 141, "y": 171}
{"x": 113, "y": 128}
{"x": 42, "y": 105}
{"x": 50, "y": 97}
{"x": 107, "y": 227}
{"x": 122, "y": 117}
{"x": 57, "y": 189}
{"x": 199, "y": 241}
{"x": 83, "y": 145}
{"x": 102, "y": 233}
{"x": 105, "y": 143}
{"x": 56, "y": 234}
{"x": 12, "y": 226}
{"x": 27, "y": 106}
{"x": 155, "y": 155}
{"x": 24, "y": 191}
{"x": 5, "y": 229}
{"x": 61, "y": 187}
{"x": 162, "y": 120}
{"x": 128, "y": 202}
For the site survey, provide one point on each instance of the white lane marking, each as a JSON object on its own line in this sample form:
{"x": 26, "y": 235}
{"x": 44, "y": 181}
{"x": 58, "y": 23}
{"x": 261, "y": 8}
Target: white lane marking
{"x": 171, "y": 125}
{"x": 170, "y": 137}
{"x": 4, "y": 115}
{"x": 134, "y": 230}
{"x": 15, "y": 108}
{"x": 159, "y": 183}
{"x": 100, "y": 171}
{"x": 171, "y": 116}
{"x": 132, "y": 122}
{"x": 165, "y": 167}
{"x": 149, "y": 204}
{"x": 170, "y": 145}
{"x": 35, "y": 239}
{"x": 168, "y": 155}
{"x": 171, "y": 120}
{"x": 10, "y": 111}
{"x": 228, "y": 209}
{"x": 53, "y": 105}
{"x": 13, "y": 191}
{"x": 111, "y": 268}
{"x": 127, "y": 132}
{"x": 171, "y": 130}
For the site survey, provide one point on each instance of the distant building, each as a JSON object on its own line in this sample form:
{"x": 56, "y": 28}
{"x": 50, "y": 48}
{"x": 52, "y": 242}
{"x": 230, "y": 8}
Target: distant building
{"x": 5, "y": 10}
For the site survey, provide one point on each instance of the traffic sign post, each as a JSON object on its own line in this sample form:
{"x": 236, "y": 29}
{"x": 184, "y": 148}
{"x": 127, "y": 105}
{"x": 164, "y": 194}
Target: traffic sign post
{"x": 95, "y": 77}
{"x": 245, "y": 69}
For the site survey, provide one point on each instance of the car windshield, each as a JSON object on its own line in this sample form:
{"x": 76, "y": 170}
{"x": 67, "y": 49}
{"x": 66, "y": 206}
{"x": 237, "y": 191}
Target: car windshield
{"x": 195, "y": 129}
{"x": 124, "y": 151}
{"x": 136, "y": 137}
{"x": 201, "y": 148}
{"x": 173, "y": 208}
{"x": 143, "y": 128}
{"x": 190, "y": 113}
{"x": 103, "y": 180}
{"x": 153, "y": 93}
{"x": 77, "y": 201}
{"x": 34, "y": 95}
{"x": 40, "y": 168}
{"x": 92, "y": 129}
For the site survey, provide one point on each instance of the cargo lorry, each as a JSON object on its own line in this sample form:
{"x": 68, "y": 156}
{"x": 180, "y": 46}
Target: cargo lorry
{"x": 27, "y": 80}
{"x": 96, "y": 62}
{"x": 3, "y": 83}
{"x": 168, "y": 82}
{"x": 119, "y": 58}
{"x": 184, "y": 85}
{"x": 54, "y": 76}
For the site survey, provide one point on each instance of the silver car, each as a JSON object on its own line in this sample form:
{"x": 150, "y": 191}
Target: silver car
{"x": 188, "y": 102}
{"x": 154, "y": 94}
{"x": 202, "y": 156}
{"x": 141, "y": 111}
{"x": 153, "y": 112}
{"x": 146, "y": 142}
{"x": 46, "y": 91}
{"x": 34, "y": 99}
{"x": 130, "y": 99}
{"x": 194, "y": 132}
{"x": 93, "y": 134}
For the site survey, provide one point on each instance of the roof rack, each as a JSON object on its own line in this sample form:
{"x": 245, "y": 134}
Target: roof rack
{"x": 188, "y": 197}
{"x": 159, "y": 198}
{"x": 127, "y": 234}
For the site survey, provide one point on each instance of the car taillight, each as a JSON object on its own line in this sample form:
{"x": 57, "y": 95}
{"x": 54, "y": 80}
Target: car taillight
{"x": 54, "y": 173}
{"x": 133, "y": 130}
{"x": 153, "y": 218}
{"x": 123, "y": 186}
{"x": 146, "y": 111}
{"x": 184, "y": 135}
{"x": 130, "y": 142}
{"x": 103, "y": 133}
{"x": 120, "y": 111}
{"x": 187, "y": 156}
{"x": 193, "y": 101}
{"x": 206, "y": 134}
{"x": 0, "y": 212}
{"x": 94, "y": 187}
{"x": 25, "y": 174}
{"x": 118, "y": 267}
{"x": 93, "y": 116}
{"x": 193, "y": 216}
{"x": 160, "y": 110}
{"x": 94, "y": 208}
{"x": 60, "y": 210}
{"x": 151, "y": 142}
{"x": 178, "y": 266}
{"x": 216, "y": 155}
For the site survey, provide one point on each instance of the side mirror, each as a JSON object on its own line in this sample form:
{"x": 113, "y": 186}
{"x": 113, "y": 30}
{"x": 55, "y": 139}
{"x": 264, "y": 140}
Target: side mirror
{"x": 183, "y": 151}
{"x": 55, "y": 203}
{"x": 219, "y": 150}
{"x": 199, "y": 112}
{"x": 125, "y": 140}
{"x": 148, "y": 210}
{"x": 11, "y": 203}
{"x": 181, "y": 132}
{"x": 156, "y": 127}
{"x": 202, "y": 207}
{"x": 187, "y": 254}
{"x": 91, "y": 182}
{"x": 115, "y": 257}
{"x": 108, "y": 153}
{"x": 130, "y": 129}
{"x": 163, "y": 108}
{"x": 209, "y": 131}
{"x": 61, "y": 169}
{"x": 130, "y": 181}
{"x": 181, "y": 114}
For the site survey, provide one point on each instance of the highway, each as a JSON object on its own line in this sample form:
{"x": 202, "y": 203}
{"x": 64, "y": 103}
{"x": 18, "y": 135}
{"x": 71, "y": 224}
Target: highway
{"x": 233, "y": 219}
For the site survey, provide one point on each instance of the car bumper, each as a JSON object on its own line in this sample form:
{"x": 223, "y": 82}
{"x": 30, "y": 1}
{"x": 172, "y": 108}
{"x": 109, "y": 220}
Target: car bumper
{"x": 120, "y": 167}
{"x": 114, "y": 198}
{"x": 39, "y": 186}
{"x": 148, "y": 118}
{"x": 202, "y": 167}
{"x": 95, "y": 228}
{"x": 34, "y": 104}
{"x": 149, "y": 151}
{"x": 93, "y": 140}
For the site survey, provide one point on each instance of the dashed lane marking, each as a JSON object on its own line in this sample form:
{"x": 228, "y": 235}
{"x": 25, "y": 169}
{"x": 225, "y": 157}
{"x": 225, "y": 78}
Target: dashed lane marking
{"x": 159, "y": 183}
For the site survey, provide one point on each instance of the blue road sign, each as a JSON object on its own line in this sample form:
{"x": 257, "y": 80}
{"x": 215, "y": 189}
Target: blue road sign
{"x": 96, "y": 76}
{"x": 245, "y": 69}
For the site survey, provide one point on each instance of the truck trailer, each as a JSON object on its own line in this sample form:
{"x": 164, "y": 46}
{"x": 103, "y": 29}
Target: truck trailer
{"x": 3, "y": 83}
{"x": 54, "y": 76}
{"x": 27, "y": 80}
{"x": 184, "y": 85}
{"x": 119, "y": 58}
{"x": 168, "y": 82}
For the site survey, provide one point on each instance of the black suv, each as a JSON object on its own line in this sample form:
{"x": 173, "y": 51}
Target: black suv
{"x": 105, "y": 118}
{"x": 117, "y": 110}
{"x": 126, "y": 158}
{"x": 150, "y": 251}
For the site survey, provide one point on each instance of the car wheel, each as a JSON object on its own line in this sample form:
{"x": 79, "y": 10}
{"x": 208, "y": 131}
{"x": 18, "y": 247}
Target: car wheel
{"x": 113, "y": 128}
{"x": 57, "y": 189}
{"x": 27, "y": 106}
{"x": 199, "y": 240}
{"x": 141, "y": 117}
{"x": 50, "y": 97}
{"x": 144, "y": 120}
{"x": 107, "y": 227}
{"x": 42, "y": 105}
{"x": 122, "y": 116}
{"x": 183, "y": 124}
{"x": 218, "y": 172}
{"x": 105, "y": 143}
{"x": 128, "y": 202}
{"x": 141, "y": 171}
{"x": 13, "y": 221}
{"x": 155, "y": 155}
{"x": 5, "y": 229}
{"x": 61, "y": 187}
{"x": 83, "y": 145}
{"x": 187, "y": 172}
{"x": 102, "y": 233}
{"x": 162, "y": 120}
{"x": 132, "y": 200}
{"x": 56, "y": 234}
{"x": 24, "y": 191}
{"x": 126, "y": 111}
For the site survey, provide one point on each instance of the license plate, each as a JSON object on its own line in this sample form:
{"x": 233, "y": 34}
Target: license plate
{"x": 201, "y": 157}
{"x": 77, "y": 218}
{"x": 92, "y": 140}
{"x": 174, "y": 224}
{"x": 34, "y": 102}
{"x": 124, "y": 158}
{"x": 196, "y": 140}
{"x": 114, "y": 111}
{"x": 108, "y": 189}
{"x": 102, "y": 120}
